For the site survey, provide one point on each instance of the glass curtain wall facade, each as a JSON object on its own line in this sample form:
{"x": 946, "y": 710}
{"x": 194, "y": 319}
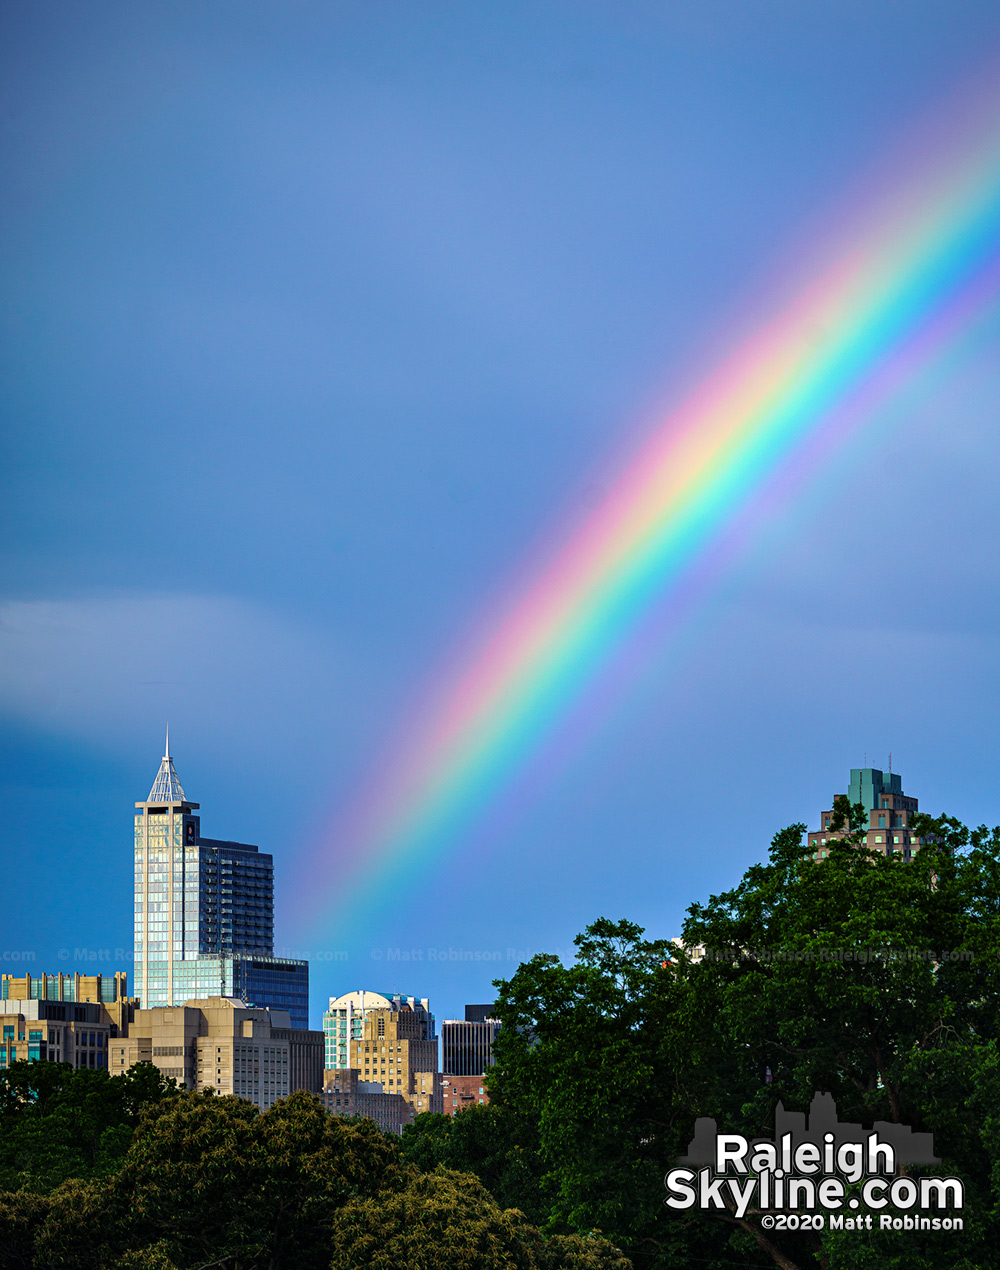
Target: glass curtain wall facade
{"x": 204, "y": 912}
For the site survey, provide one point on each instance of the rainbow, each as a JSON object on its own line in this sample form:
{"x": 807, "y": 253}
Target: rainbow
{"x": 913, "y": 272}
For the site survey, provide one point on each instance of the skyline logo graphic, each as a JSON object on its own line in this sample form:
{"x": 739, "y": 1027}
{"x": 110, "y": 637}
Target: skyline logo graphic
{"x": 816, "y": 1171}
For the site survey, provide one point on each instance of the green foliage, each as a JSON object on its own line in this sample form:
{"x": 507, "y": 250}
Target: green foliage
{"x": 21, "y": 1216}
{"x": 58, "y": 1122}
{"x": 578, "y": 1055}
{"x": 869, "y": 977}
{"x": 210, "y": 1178}
{"x": 426, "y": 1142}
{"x": 498, "y": 1146}
{"x": 875, "y": 979}
{"x": 450, "y": 1219}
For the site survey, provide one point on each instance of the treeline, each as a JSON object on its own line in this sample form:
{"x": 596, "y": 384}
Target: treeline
{"x": 102, "y": 1172}
{"x": 873, "y": 979}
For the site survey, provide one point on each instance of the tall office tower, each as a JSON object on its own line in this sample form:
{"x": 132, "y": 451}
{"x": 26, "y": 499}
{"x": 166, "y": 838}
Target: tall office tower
{"x": 889, "y": 814}
{"x": 204, "y": 912}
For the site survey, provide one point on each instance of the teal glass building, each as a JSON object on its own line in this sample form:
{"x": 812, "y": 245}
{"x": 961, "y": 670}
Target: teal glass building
{"x": 204, "y": 912}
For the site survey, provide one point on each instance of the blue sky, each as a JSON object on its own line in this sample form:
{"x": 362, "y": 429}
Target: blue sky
{"x": 317, "y": 319}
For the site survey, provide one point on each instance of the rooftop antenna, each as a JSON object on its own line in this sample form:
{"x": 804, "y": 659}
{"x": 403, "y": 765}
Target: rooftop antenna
{"x": 166, "y": 750}
{"x": 890, "y": 762}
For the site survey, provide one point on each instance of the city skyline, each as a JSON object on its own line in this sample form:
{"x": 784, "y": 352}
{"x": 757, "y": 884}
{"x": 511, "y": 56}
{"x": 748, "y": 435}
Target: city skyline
{"x": 319, "y": 332}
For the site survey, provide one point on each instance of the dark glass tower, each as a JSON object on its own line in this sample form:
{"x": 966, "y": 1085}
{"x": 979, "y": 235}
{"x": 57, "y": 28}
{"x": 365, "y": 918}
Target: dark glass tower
{"x": 204, "y": 912}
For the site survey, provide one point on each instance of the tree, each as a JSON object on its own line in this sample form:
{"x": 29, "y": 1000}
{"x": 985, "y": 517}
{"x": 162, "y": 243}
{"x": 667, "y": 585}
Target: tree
{"x": 450, "y": 1219}
{"x": 212, "y": 1179}
{"x": 873, "y": 978}
{"x": 58, "y": 1122}
{"x": 498, "y": 1146}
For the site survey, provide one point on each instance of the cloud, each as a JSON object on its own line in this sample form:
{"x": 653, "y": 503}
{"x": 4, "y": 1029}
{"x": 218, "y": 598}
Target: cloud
{"x": 113, "y": 668}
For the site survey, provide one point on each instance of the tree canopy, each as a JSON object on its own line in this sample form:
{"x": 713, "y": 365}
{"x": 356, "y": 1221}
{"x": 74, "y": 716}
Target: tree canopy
{"x": 873, "y": 978}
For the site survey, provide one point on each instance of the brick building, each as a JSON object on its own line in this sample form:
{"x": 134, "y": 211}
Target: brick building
{"x": 459, "y": 1092}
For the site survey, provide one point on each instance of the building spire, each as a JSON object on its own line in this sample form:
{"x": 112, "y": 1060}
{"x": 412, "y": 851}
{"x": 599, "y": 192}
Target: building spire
{"x": 167, "y": 786}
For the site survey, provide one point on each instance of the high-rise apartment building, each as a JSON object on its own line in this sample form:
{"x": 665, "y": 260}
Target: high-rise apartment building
{"x": 391, "y": 1047}
{"x": 204, "y": 912}
{"x": 889, "y": 814}
{"x": 344, "y": 1019}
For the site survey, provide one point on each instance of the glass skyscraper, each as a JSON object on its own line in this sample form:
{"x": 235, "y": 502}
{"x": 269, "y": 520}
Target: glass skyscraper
{"x": 204, "y": 912}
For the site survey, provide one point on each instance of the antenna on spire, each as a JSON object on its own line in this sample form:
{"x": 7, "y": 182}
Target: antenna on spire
{"x": 166, "y": 749}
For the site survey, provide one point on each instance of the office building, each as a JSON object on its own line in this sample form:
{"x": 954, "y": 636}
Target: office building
{"x": 204, "y": 912}
{"x": 343, "y": 1021}
{"x": 64, "y": 1018}
{"x": 60, "y": 1032}
{"x": 889, "y": 812}
{"x": 224, "y": 1045}
{"x": 106, "y": 989}
{"x": 467, "y": 1045}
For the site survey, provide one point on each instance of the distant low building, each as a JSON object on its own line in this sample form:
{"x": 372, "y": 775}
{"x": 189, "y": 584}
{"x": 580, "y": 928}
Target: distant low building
{"x": 345, "y": 1094}
{"x": 62, "y": 1018}
{"x": 222, "y": 1044}
{"x": 459, "y": 1092}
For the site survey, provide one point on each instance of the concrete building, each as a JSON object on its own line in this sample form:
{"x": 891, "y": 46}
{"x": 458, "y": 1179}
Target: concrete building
{"x": 889, "y": 814}
{"x": 204, "y": 912}
{"x": 345, "y": 1094}
{"x": 344, "y": 1019}
{"x": 223, "y": 1044}
{"x": 459, "y": 1092}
